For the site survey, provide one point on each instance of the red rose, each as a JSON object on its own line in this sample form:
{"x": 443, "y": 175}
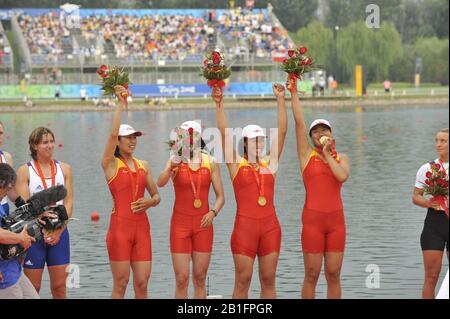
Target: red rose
{"x": 99, "y": 71}
{"x": 308, "y": 61}
{"x": 291, "y": 53}
{"x": 216, "y": 57}
{"x": 303, "y": 50}
{"x": 428, "y": 174}
{"x": 103, "y": 67}
{"x": 216, "y": 69}
{"x": 438, "y": 166}
{"x": 104, "y": 75}
{"x": 285, "y": 60}
{"x": 191, "y": 131}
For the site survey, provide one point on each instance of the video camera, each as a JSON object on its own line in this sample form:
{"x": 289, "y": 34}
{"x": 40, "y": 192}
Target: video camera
{"x": 28, "y": 213}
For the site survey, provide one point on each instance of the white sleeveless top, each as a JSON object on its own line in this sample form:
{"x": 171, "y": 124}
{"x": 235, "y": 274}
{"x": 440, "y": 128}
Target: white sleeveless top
{"x": 3, "y": 160}
{"x": 36, "y": 186}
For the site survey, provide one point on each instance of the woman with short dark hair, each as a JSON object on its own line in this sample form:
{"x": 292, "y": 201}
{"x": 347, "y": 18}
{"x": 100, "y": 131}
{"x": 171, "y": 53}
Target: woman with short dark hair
{"x": 435, "y": 233}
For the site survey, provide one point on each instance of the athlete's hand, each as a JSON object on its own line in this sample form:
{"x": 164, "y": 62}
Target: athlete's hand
{"x": 433, "y": 204}
{"x": 217, "y": 95}
{"x": 279, "y": 90}
{"x": 26, "y": 240}
{"x": 207, "y": 220}
{"x": 175, "y": 161}
{"x": 327, "y": 147}
{"x": 121, "y": 93}
{"x": 52, "y": 238}
{"x": 141, "y": 205}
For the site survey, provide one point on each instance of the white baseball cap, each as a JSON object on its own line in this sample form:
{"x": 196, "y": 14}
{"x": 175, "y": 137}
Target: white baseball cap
{"x": 126, "y": 130}
{"x": 252, "y": 131}
{"x": 195, "y": 125}
{"x": 319, "y": 122}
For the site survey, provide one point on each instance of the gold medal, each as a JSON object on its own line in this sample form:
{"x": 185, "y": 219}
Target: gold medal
{"x": 262, "y": 201}
{"x": 197, "y": 203}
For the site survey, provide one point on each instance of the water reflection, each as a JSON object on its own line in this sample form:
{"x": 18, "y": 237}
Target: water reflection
{"x": 386, "y": 147}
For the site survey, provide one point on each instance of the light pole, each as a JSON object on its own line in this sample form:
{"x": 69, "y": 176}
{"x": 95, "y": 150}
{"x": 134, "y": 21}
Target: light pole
{"x": 335, "y": 59}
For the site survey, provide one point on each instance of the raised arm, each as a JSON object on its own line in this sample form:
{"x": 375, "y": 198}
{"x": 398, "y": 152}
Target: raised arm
{"x": 108, "y": 159}
{"x": 227, "y": 140}
{"x": 167, "y": 173}
{"x": 303, "y": 147}
{"x": 282, "y": 123}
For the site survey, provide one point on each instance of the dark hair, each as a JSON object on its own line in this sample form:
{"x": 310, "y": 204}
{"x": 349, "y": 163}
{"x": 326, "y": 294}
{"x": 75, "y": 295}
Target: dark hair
{"x": 245, "y": 147}
{"x": 117, "y": 151}
{"x": 36, "y": 137}
{"x": 7, "y": 175}
{"x": 203, "y": 146}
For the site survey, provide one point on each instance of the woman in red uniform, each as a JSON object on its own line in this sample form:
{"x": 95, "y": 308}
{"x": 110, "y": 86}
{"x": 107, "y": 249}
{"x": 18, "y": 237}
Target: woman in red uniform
{"x": 257, "y": 231}
{"x": 191, "y": 230}
{"x": 324, "y": 171}
{"x": 128, "y": 239}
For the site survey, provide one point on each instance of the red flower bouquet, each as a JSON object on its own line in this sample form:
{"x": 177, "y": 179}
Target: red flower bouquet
{"x": 181, "y": 144}
{"x": 215, "y": 71}
{"x": 436, "y": 185}
{"x": 297, "y": 64}
{"x": 112, "y": 76}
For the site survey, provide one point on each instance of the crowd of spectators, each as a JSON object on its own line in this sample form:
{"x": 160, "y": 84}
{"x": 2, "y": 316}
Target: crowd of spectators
{"x": 5, "y": 50}
{"x": 44, "y": 34}
{"x": 252, "y": 33}
{"x": 160, "y": 37}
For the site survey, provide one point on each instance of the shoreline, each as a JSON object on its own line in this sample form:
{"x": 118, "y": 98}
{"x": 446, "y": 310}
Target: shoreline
{"x": 317, "y": 103}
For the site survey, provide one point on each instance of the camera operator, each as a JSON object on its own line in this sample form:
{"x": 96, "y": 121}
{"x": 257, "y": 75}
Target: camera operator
{"x": 13, "y": 283}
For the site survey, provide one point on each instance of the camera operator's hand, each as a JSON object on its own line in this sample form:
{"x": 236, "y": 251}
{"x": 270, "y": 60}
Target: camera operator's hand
{"x": 141, "y": 205}
{"x": 26, "y": 240}
{"x": 52, "y": 238}
{"x": 46, "y": 214}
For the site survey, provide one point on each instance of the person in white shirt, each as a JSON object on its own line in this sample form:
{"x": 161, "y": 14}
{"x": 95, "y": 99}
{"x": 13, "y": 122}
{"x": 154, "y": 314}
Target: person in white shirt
{"x": 435, "y": 234}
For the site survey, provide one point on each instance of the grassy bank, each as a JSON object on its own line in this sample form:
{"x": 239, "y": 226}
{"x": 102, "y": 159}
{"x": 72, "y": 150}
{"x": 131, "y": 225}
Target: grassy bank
{"x": 255, "y": 102}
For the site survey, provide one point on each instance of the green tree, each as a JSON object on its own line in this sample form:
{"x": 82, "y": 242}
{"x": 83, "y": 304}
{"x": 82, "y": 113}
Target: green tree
{"x": 434, "y": 53}
{"x": 319, "y": 41}
{"x": 403, "y": 68}
{"x": 295, "y": 14}
{"x": 387, "y": 49}
{"x": 376, "y": 49}
{"x": 435, "y": 14}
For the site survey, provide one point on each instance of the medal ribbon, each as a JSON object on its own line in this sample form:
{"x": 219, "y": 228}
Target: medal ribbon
{"x": 259, "y": 182}
{"x": 195, "y": 188}
{"x": 133, "y": 178}
{"x": 41, "y": 175}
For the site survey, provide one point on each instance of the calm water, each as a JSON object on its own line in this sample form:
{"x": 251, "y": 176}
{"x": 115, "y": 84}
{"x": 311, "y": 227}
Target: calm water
{"x": 386, "y": 148}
